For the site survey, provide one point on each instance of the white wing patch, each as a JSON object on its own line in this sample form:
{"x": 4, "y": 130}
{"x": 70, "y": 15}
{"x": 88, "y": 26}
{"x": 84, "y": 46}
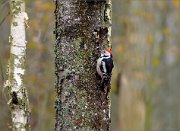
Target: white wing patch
{"x": 98, "y": 67}
{"x": 104, "y": 67}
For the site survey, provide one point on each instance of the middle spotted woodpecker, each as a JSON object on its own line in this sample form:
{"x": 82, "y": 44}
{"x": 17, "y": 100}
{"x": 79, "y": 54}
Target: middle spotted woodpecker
{"x": 104, "y": 67}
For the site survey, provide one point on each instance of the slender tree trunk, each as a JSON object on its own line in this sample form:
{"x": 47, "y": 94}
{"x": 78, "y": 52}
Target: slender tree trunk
{"x": 18, "y": 102}
{"x": 81, "y": 27}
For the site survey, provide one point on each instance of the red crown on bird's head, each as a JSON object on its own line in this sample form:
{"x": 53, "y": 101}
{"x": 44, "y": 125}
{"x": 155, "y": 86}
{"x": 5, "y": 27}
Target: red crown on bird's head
{"x": 108, "y": 51}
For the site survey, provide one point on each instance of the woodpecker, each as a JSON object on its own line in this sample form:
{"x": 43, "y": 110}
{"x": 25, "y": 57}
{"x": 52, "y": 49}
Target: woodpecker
{"x": 104, "y": 67}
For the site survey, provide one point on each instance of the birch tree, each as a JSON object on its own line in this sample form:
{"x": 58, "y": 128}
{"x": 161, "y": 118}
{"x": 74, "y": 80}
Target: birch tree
{"x": 18, "y": 102}
{"x": 81, "y": 27}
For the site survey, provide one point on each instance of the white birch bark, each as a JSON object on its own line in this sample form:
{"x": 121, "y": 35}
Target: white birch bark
{"x": 18, "y": 102}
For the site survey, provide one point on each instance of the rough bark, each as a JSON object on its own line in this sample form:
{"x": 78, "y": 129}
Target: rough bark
{"x": 81, "y": 27}
{"x": 18, "y": 102}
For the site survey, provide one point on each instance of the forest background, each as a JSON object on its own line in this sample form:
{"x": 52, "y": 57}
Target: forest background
{"x": 145, "y": 83}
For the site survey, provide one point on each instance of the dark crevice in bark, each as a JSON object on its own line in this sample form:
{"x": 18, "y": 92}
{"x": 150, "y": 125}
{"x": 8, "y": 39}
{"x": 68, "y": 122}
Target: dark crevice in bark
{"x": 14, "y": 98}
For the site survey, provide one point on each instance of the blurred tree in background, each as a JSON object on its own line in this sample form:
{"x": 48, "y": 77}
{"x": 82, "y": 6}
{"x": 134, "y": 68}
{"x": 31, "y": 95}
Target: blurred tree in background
{"x": 146, "y": 50}
{"x": 146, "y": 54}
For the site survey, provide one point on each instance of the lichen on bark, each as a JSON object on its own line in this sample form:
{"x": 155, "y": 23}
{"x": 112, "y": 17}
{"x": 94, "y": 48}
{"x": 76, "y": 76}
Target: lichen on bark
{"x": 81, "y": 27}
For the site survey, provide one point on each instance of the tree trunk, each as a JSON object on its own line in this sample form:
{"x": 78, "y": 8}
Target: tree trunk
{"x": 18, "y": 102}
{"x": 81, "y": 27}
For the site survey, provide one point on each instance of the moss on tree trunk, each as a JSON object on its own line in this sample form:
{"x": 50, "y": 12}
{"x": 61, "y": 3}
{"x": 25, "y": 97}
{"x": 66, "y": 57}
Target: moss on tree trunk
{"x": 81, "y": 27}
